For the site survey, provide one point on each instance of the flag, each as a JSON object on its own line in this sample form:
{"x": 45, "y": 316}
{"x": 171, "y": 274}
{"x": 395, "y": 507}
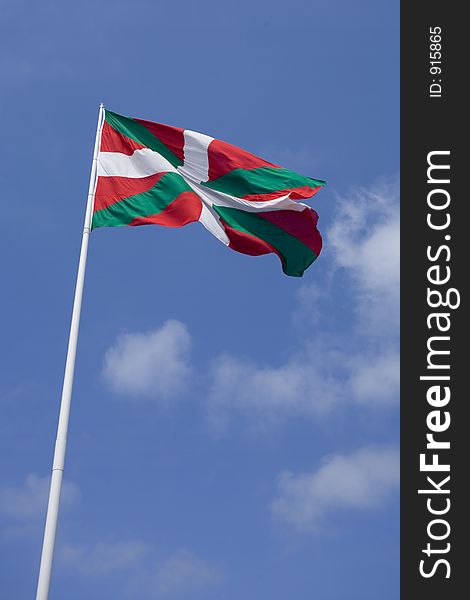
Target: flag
{"x": 150, "y": 173}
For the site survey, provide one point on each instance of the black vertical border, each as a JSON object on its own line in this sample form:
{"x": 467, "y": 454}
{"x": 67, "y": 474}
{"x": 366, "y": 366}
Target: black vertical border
{"x": 429, "y": 124}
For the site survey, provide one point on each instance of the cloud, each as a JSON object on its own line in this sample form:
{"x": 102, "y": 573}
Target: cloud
{"x": 267, "y": 394}
{"x": 29, "y": 499}
{"x": 153, "y": 365}
{"x": 310, "y": 295}
{"x": 181, "y": 573}
{"x": 361, "y": 480}
{"x": 142, "y": 574}
{"x": 17, "y": 393}
{"x": 321, "y": 379}
{"x": 338, "y": 361}
{"x": 332, "y": 367}
{"x": 365, "y": 240}
{"x": 103, "y": 558}
{"x": 375, "y": 380}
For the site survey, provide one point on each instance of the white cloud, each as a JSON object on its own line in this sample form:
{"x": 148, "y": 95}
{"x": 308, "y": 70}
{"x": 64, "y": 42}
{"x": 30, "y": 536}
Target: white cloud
{"x": 181, "y": 573}
{"x": 375, "y": 380}
{"x": 266, "y": 394}
{"x": 141, "y": 573}
{"x": 29, "y": 499}
{"x": 16, "y": 393}
{"x": 103, "y": 558}
{"x": 365, "y": 239}
{"x": 361, "y": 480}
{"x": 332, "y": 366}
{"x": 311, "y": 303}
{"x": 152, "y": 365}
{"x": 321, "y": 379}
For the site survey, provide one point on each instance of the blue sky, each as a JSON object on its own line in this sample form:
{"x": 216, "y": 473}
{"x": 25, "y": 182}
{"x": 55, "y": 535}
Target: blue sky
{"x": 256, "y": 454}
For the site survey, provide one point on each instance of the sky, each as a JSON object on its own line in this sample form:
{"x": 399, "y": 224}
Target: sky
{"x": 234, "y": 432}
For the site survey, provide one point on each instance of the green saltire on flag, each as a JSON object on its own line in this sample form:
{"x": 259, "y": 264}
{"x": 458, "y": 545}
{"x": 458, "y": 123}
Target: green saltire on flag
{"x": 150, "y": 173}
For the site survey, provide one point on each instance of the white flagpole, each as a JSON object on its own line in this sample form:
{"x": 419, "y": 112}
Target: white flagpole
{"x": 61, "y": 441}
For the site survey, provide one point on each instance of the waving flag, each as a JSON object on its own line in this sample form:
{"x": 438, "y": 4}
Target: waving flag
{"x": 156, "y": 174}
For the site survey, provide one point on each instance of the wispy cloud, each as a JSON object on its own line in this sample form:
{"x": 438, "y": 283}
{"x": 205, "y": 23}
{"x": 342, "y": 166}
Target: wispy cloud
{"x": 141, "y": 572}
{"x": 103, "y": 558}
{"x": 365, "y": 241}
{"x": 266, "y": 394}
{"x": 150, "y": 365}
{"x": 182, "y": 572}
{"x": 16, "y": 393}
{"x": 29, "y": 499}
{"x": 331, "y": 367}
{"x": 360, "y": 481}
{"x": 375, "y": 380}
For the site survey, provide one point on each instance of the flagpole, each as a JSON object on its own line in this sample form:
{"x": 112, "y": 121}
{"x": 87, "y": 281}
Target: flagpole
{"x": 47, "y": 554}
